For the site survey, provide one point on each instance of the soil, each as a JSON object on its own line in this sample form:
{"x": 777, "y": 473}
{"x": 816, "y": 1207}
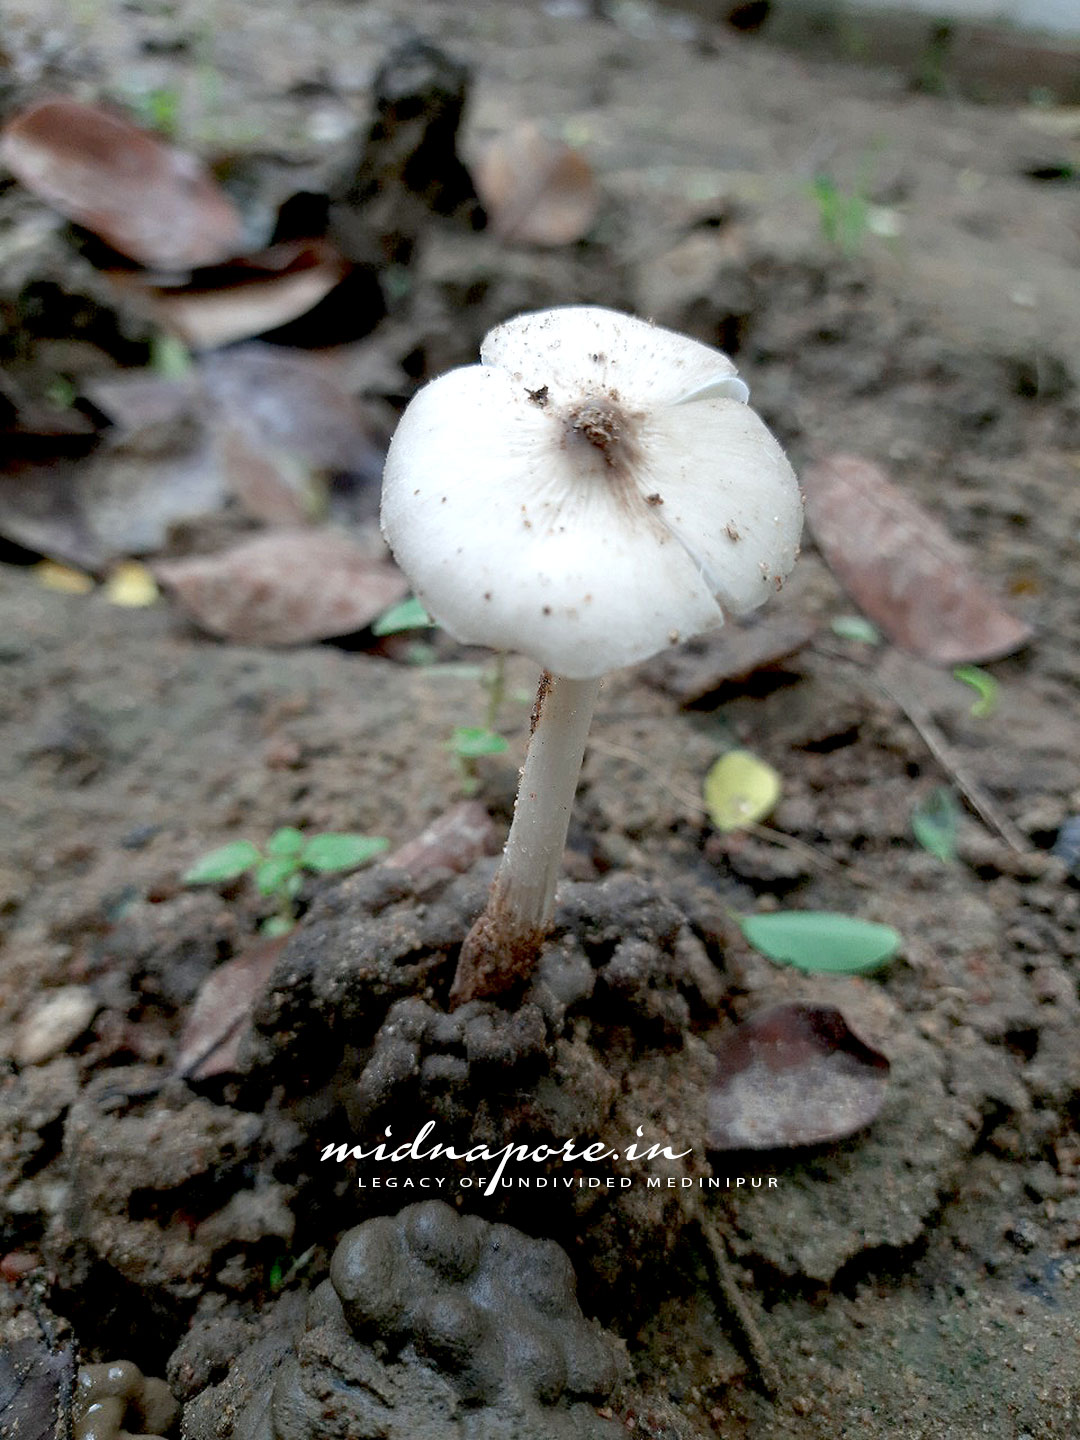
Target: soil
{"x": 922, "y": 1276}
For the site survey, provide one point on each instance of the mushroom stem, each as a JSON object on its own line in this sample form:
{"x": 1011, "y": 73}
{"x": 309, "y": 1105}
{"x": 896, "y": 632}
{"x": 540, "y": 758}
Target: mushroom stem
{"x": 502, "y": 947}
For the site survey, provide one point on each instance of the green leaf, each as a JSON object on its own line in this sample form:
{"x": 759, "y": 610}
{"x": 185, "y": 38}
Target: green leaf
{"x": 934, "y": 821}
{"x": 272, "y": 875}
{"x": 985, "y": 686}
{"x": 405, "y": 615}
{"x": 856, "y": 627}
{"x": 470, "y": 742}
{"x": 224, "y": 864}
{"x": 286, "y": 841}
{"x": 169, "y": 357}
{"x": 820, "y": 941}
{"x": 740, "y": 790}
{"x": 327, "y": 853}
{"x": 276, "y": 925}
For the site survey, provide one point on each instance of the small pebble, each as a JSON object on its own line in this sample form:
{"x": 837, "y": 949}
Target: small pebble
{"x": 53, "y": 1023}
{"x": 17, "y": 1264}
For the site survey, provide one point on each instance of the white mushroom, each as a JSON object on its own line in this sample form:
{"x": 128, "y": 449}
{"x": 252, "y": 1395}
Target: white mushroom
{"x": 594, "y": 491}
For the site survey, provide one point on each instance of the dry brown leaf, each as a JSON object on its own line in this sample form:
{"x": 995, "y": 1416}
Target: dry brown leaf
{"x": 285, "y": 588}
{"x": 36, "y": 1382}
{"x": 731, "y": 655}
{"x": 793, "y": 1075}
{"x": 250, "y": 297}
{"x": 902, "y": 568}
{"x": 151, "y": 202}
{"x": 272, "y": 485}
{"x": 210, "y": 1040}
{"x": 455, "y": 841}
{"x": 536, "y": 191}
{"x": 297, "y": 401}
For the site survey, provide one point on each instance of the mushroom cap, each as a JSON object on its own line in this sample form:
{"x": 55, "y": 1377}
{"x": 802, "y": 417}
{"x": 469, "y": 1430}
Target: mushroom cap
{"x": 592, "y": 492}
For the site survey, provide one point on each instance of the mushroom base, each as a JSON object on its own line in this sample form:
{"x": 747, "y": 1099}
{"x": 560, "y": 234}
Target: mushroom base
{"x": 501, "y": 949}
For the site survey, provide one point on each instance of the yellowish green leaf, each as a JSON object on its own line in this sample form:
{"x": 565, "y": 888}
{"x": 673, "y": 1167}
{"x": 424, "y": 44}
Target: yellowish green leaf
{"x": 740, "y": 790}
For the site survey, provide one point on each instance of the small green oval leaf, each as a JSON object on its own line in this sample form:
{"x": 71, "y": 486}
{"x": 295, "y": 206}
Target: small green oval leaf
{"x": 822, "y": 942}
{"x": 272, "y": 876}
{"x": 405, "y": 615}
{"x": 286, "y": 841}
{"x": 934, "y": 822}
{"x": 224, "y": 864}
{"x": 276, "y": 925}
{"x": 856, "y": 627}
{"x": 984, "y": 685}
{"x": 327, "y": 853}
{"x": 740, "y": 790}
{"x": 470, "y": 742}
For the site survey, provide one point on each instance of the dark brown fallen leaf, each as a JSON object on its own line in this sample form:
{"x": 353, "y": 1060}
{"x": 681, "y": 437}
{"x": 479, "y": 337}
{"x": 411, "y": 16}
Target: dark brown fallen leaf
{"x": 40, "y": 509}
{"x": 902, "y": 568}
{"x": 536, "y": 191}
{"x": 285, "y": 588}
{"x": 252, "y": 296}
{"x": 27, "y": 415}
{"x": 731, "y": 655}
{"x": 151, "y": 202}
{"x": 272, "y": 485}
{"x": 36, "y": 1386}
{"x": 153, "y": 468}
{"x": 793, "y": 1075}
{"x": 303, "y": 403}
{"x": 142, "y": 401}
{"x": 454, "y": 841}
{"x": 289, "y": 425}
{"x": 210, "y": 1039}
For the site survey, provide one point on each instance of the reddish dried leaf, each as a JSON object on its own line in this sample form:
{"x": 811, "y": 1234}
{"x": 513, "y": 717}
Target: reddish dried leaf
{"x": 455, "y": 841}
{"x": 271, "y": 485}
{"x": 536, "y": 191}
{"x": 902, "y": 568}
{"x": 288, "y": 421}
{"x": 210, "y": 1040}
{"x": 793, "y": 1075}
{"x": 284, "y": 588}
{"x": 148, "y": 200}
{"x": 250, "y": 297}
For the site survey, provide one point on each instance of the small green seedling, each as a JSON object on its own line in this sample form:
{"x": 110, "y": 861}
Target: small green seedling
{"x": 985, "y": 687}
{"x": 843, "y": 215}
{"x": 169, "y": 357}
{"x": 935, "y": 821}
{"x": 405, "y": 615}
{"x": 855, "y": 627}
{"x": 278, "y": 870}
{"x": 469, "y": 743}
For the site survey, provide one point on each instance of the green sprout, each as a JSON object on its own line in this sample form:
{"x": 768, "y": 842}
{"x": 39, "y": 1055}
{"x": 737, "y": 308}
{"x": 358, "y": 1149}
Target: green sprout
{"x": 278, "y": 871}
{"x": 405, "y": 615}
{"x": 985, "y": 687}
{"x": 843, "y": 215}
{"x": 935, "y": 821}
{"x": 467, "y": 744}
{"x": 158, "y": 109}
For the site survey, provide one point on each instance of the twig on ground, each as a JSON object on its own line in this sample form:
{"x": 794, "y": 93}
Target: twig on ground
{"x": 934, "y": 740}
{"x": 757, "y": 1351}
